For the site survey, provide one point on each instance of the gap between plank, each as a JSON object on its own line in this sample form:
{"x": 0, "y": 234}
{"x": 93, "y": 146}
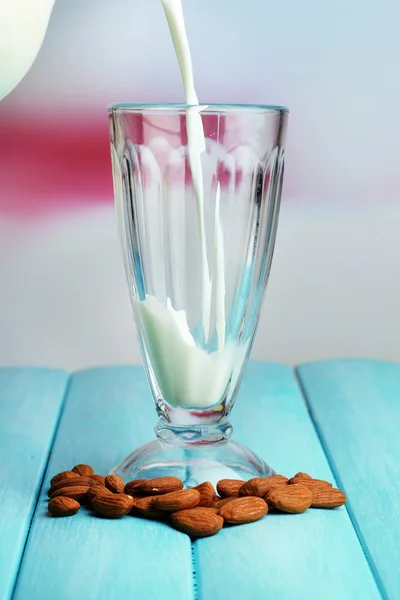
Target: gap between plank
{"x": 41, "y": 481}
{"x": 339, "y": 482}
{"x": 193, "y": 550}
{"x": 193, "y": 556}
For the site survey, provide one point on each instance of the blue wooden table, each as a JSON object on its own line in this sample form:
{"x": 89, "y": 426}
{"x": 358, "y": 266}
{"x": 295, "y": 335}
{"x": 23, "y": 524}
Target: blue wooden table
{"x": 337, "y": 420}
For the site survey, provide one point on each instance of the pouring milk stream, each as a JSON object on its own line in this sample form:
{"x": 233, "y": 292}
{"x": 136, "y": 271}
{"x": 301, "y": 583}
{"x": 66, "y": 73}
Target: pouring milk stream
{"x": 187, "y": 375}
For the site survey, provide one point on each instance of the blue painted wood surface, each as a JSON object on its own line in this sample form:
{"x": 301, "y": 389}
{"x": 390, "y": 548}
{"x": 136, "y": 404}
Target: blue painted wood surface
{"x": 356, "y": 408}
{"x": 108, "y": 413}
{"x": 313, "y": 556}
{"x": 30, "y": 404}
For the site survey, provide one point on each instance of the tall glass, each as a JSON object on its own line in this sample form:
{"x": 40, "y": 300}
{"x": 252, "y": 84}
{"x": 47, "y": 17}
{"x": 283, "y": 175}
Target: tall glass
{"x": 197, "y": 193}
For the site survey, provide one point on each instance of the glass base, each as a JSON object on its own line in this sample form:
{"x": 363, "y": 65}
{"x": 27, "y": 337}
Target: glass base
{"x": 204, "y": 458}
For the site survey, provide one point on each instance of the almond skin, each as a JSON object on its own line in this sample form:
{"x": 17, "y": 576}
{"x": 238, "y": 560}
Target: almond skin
{"x": 310, "y": 483}
{"x": 77, "y": 492}
{"x": 301, "y": 475}
{"x": 174, "y": 501}
{"x": 212, "y": 509}
{"x": 142, "y": 507}
{"x": 115, "y": 484}
{"x": 96, "y": 490}
{"x": 327, "y": 498}
{"x": 207, "y": 493}
{"x": 197, "y": 522}
{"x": 99, "y": 479}
{"x": 229, "y": 487}
{"x": 220, "y": 502}
{"x": 153, "y": 487}
{"x": 292, "y": 499}
{"x": 61, "y": 477}
{"x": 112, "y": 506}
{"x": 71, "y": 481}
{"x": 63, "y": 506}
{"x": 83, "y": 470}
{"x": 244, "y": 510}
{"x": 260, "y": 486}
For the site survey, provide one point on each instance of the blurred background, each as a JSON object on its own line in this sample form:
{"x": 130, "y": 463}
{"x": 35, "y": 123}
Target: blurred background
{"x": 334, "y": 289}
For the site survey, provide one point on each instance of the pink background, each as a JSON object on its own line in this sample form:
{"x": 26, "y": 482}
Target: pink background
{"x": 334, "y": 288}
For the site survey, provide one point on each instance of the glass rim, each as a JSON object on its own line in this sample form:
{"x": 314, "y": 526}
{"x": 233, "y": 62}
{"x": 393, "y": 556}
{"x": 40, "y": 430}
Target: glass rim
{"x": 139, "y": 107}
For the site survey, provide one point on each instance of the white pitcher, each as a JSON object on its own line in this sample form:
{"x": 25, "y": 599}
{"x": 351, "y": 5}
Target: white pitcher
{"x": 23, "y": 24}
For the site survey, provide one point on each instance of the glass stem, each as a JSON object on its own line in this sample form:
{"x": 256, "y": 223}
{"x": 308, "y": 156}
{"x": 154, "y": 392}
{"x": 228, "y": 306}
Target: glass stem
{"x": 197, "y": 434}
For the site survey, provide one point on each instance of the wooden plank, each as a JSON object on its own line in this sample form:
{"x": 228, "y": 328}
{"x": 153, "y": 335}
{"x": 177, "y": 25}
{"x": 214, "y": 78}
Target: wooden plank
{"x": 308, "y": 557}
{"x": 356, "y": 408}
{"x": 108, "y": 413}
{"x": 30, "y": 404}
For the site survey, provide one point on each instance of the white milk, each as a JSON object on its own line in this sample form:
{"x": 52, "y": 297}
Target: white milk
{"x": 196, "y": 141}
{"x": 187, "y": 375}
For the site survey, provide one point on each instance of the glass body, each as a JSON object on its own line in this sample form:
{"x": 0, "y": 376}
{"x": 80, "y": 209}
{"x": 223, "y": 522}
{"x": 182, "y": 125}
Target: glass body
{"x": 197, "y": 193}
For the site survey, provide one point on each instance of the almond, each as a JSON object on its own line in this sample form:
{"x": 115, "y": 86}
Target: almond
{"x": 290, "y": 498}
{"x": 327, "y": 498}
{"x": 62, "y": 476}
{"x": 99, "y": 479}
{"x": 311, "y": 484}
{"x": 112, "y": 506}
{"x": 71, "y": 481}
{"x": 115, "y": 484}
{"x": 207, "y": 493}
{"x": 259, "y": 486}
{"x": 220, "y": 502}
{"x": 96, "y": 490}
{"x": 301, "y": 475}
{"x": 83, "y": 470}
{"x": 212, "y": 509}
{"x": 152, "y": 487}
{"x": 229, "y": 487}
{"x": 63, "y": 506}
{"x": 314, "y": 485}
{"x": 175, "y": 501}
{"x": 77, "y": 492}
{"x": 197, "y": 522}
{"x": 142, "y": 506}
{"x": 244, "y": 510}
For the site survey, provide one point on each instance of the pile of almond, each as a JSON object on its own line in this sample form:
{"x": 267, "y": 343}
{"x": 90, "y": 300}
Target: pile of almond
{"x": 200, "y": 511}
